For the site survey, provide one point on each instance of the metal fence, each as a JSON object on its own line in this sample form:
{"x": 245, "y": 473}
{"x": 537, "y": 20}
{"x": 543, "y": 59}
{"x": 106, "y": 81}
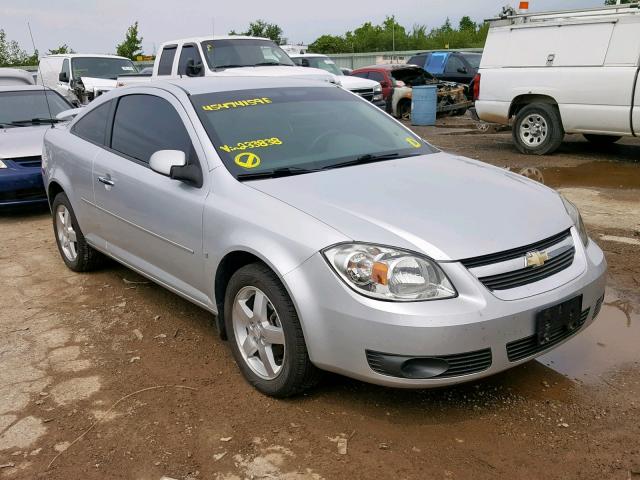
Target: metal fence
{"x": 359, "y": 60}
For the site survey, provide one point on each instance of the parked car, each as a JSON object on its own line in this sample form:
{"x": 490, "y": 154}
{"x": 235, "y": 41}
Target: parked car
{"x": 321, "y": 232}
{"x": 367, "y": 89}
{"x": 218, "y": 56}
{"x": 397, "y": 81}
{"x": 82, "y": 77}
{"x": 453, "y": 66}
{"x": 15, "y": 76}
{"x": 24, "y": 118}
{"x": 580, "y": 78}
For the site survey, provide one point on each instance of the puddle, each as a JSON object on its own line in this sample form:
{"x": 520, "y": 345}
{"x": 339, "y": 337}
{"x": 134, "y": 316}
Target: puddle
{"x": 615, "y": 175}
{"x": 605, "y": 347}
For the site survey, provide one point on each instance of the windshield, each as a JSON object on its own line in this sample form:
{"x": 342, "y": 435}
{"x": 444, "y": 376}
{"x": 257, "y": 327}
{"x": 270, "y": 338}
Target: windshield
{"x": 320, "y": 62}
{"x": 473, "y": 59}
{"x": 235, "y": 53}
{"x": 24, "y": 106}
{"x": 263, "y": 130}
{"x": 98, "y": 67}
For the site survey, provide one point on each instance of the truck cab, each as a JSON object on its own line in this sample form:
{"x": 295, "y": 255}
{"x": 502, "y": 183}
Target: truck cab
{"x": 571, "y": 71}
{"x": 226, "y": 56}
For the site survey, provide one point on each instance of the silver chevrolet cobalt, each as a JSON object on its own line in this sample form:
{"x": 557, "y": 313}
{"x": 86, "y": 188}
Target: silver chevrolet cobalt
{"x": 322, "y": 233}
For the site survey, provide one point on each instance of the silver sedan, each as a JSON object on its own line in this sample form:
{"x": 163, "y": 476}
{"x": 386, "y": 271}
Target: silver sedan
{"x": 322, "y": 233}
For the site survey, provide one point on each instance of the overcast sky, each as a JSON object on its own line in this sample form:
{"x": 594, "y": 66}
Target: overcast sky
{"x": 97, "y": 26}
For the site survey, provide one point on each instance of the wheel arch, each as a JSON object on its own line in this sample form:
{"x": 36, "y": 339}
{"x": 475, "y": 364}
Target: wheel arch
{"x": 521, "y": 101}
{"x": 53, "y": 189}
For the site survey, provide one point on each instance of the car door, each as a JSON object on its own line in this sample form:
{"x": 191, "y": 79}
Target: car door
{"x": 456, "y": 70}
{"x": 149, "y": 221}
{"x": 189, "y": 55}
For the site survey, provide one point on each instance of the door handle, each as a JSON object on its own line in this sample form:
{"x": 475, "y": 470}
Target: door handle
{"x": 106, "y": 181}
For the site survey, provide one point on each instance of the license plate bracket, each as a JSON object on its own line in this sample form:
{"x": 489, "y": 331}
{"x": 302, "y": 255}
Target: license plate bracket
{"x": 559, "y": 318}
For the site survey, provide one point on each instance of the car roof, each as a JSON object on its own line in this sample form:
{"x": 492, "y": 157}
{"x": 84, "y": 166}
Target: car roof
{"x": 83, "y": 55}
{"x": 213, "y": 37}
{"x": 22, "y": 88}
{"x": 388, "y": 66}
{"x": 203, "y": 85}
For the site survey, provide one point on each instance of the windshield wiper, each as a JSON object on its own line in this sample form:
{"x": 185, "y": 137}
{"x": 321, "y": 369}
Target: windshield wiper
{"x": 369, "y": 158}
{"x": 278, "y": 172}
{"x": 8, "y": 124}
{"x": 262, "y": 64}
{"x": 221, "y": 67}
{"x": 34, "y": 120}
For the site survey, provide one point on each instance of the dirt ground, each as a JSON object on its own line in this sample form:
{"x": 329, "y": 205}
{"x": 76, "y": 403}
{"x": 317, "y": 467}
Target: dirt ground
{"x": 105, "y": 375}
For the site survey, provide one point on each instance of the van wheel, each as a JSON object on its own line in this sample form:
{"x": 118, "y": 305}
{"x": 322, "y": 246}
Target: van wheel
{"x": 602, "y": 139}
{"x": 265, "y": 333}
{"x": 538, "y": 129}
{"x": 77, "y": 254}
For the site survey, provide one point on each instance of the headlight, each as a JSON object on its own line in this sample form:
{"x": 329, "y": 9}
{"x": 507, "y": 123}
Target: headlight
{"x": 389, "y": 274}
{"x": 2, "y": 164}
{"x": 377, "y": 89}
{"x": 574, "y": 213}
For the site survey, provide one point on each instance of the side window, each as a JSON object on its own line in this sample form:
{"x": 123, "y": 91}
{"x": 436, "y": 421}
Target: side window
{"x": 418, "y": 60}
{"x": 189, "y": 52}
{"x": 166, "y": 60}
{"x": 377, "y": 76}
{"x": 297, "y": 61}
{"x": 435, "y": 64}
{"x": 144, "y": 124}
{"x": 454, "y": 64}
{"x": 66, "y": 69}
{"x": 93, "y": 126}
{"x": 360, "y": 74}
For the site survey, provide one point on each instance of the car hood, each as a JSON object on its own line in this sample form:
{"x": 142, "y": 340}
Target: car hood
{"x": 22, "y": 141}
{"x": 354, "y": 83}
{"x": 447, "y": 207}
{"x": 282, "y": 71}
{"x": 96, "y": 84}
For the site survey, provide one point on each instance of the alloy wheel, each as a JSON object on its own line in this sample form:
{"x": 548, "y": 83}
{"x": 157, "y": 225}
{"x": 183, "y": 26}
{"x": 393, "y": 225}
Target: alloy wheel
{"x": 67, "y": 238}
{"x": 533, "y": 130}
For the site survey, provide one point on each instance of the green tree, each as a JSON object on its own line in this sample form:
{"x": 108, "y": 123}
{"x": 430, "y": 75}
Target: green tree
{"x": 467, "y": 25}
{"x": 131, "y": 46}
{"x": 329, "y": 44}
{"x": 263, "y": 29}
{"x": 12, "y": 55}
{"x": 64, "y": 48}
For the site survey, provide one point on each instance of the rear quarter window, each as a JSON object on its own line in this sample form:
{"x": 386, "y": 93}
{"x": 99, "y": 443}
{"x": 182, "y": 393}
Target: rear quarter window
{"x": 93, "y": 125}
{"x": 166, "y": 60}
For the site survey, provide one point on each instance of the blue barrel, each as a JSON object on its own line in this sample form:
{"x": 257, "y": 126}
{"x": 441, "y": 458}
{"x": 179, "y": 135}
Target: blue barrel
{"x": 424, "y": 105}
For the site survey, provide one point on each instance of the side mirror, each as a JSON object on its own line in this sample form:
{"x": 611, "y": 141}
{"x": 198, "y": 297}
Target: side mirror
{"x": 194, "y": 69}
{"x": 462, "y": 70}
{"x": 63, "y": 77}
{"x": 163, "y": 161}
{"x": 305, "y": 62}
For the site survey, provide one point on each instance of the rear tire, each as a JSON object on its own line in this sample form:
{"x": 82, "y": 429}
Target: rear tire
{"x": 77, "y": 254}
{"x": 287, "y": 369}
{"x": 602, "y": 139}
{"x": 538, "y": 129}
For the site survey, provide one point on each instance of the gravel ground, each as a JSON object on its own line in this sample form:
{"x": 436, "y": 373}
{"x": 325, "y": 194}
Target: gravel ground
{"x": 140, "y": 378}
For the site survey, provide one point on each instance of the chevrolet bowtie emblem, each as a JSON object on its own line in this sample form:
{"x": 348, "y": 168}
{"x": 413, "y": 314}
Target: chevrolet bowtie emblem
{"x": 536, "y": 259}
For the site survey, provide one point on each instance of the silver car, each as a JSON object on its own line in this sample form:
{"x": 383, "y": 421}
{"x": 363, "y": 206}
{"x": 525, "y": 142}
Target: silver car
{"x": 322, "y": 233}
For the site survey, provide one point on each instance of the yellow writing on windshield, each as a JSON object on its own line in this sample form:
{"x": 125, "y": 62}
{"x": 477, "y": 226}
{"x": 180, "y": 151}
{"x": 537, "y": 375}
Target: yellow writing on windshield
{"x": 237, "y": 104}
{"x": 267, "y": 142}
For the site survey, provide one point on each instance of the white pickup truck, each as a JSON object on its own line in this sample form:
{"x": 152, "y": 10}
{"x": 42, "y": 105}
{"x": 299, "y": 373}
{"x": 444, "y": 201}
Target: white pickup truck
{"x": 572, "y": 71}
{"x": 224, "y": 56}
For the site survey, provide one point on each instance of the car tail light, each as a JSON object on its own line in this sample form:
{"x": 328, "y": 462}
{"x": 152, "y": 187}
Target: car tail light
{"x": 476, "y": 87}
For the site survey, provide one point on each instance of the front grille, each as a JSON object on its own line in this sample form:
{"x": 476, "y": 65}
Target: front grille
{"x": 459, "y": 363}
{"x": 518, "y": 277}
{"x": 596, "y": 309}
{"x": 365, "y": 93}
{"x": 28, "y": 162}
{"x": 515, "y": 252}
{"x": 528, "y": 346}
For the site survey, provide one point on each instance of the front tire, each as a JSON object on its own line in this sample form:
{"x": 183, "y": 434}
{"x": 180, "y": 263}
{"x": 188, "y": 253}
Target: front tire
{"x": 538, "y": 129}
{"x": 265, "y": 333}
{"x": 77, "y": 254}
{"x": 602, "y": 139}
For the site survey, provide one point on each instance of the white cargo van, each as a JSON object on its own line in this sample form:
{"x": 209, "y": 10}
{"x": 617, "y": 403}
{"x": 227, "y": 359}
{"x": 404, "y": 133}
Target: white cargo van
{"x": 82, "y": 77}
{"x": 562, "y": 72}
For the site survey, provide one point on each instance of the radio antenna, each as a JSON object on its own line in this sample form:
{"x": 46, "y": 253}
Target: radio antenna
{"x": 44, "y": 88}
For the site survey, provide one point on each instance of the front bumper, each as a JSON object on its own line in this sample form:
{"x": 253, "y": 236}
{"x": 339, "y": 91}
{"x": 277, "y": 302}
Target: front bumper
{"x": 342, "y": 328}
{"x": 21, "y": 186}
